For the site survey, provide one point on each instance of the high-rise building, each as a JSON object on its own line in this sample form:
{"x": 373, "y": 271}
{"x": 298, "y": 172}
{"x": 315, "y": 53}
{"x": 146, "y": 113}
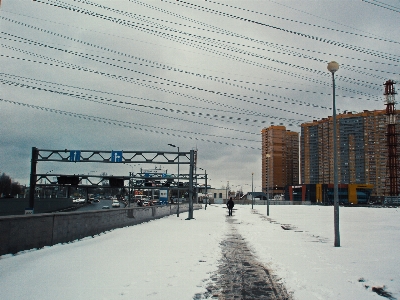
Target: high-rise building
{"x": 361, "y": 146}
{"x": 280, "y": 159}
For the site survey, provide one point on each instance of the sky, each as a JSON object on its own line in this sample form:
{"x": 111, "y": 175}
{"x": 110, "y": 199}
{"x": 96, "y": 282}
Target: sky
{"x": 173, "y": 258}
{"x": 203, "y": 75}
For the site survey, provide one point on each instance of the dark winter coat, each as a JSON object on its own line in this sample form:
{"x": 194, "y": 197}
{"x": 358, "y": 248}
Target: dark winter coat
{"x": 230, "y": 204}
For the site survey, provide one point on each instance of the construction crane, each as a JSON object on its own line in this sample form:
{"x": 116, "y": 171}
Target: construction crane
{"x": 392, "y": 166}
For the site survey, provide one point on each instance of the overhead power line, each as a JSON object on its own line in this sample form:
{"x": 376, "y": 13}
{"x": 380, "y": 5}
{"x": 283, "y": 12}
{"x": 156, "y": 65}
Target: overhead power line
{"x": 309, "y": 36}
{"x": 136, "y": 126}
{"x": 383, "y": 5}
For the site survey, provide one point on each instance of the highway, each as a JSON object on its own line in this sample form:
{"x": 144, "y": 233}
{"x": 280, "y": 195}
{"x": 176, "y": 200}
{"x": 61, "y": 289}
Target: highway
{"x": 98, "y": 205}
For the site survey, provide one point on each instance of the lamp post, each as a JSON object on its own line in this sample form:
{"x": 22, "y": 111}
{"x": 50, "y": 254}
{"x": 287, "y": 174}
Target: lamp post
{"x": 41, "y": 181}
{"x": 130, "y": 189}
{"x": 177, "y": 213}
{"x": 205, "y": 191}
{"x": 131, "y": 174}
{"x": 252, "y": 191}
{"x": 333, "y": 66}
{"x": 267, "y": 156}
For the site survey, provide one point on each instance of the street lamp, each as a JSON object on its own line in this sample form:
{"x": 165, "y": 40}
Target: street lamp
{"x": 44, "y": 190}
{"x": 226, "y": 191}
{"x": 333, "y": 66}
{"x": 205, "y": 192}
{"x": 252, "y": 191}
{"x": 269, "y": 166}
{"x": 131, "y": 174}
{"x": 177, "y": 213}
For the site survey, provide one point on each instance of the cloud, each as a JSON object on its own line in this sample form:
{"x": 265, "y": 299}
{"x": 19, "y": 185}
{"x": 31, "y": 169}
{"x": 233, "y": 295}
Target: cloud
{"x": 138, "y": 75}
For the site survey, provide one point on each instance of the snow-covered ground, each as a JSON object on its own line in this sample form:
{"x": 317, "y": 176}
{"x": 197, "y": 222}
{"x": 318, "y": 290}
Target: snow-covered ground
{"x": 172, "y": 258}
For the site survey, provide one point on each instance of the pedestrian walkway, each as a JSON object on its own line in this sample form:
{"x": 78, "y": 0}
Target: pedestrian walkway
{"x": 240, "y": 275}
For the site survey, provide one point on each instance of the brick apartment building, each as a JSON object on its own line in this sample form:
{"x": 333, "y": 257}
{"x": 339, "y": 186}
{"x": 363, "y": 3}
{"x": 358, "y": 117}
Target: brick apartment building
{"x": 361, "y": 147}
{"x": 280, "y": 159}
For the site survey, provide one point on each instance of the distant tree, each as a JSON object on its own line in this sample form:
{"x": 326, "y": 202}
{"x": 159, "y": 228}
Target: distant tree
{"x": 8, "y": 186}
{"x": 5, "y": 184}
{"x": 15, "y": 188}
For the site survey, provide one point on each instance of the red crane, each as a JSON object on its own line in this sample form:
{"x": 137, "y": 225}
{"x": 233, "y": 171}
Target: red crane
{"x": 392, "y": 168}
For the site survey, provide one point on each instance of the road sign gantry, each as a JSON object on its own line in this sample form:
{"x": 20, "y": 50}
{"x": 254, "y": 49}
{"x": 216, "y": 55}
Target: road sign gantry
{"x": 113, "y": 156}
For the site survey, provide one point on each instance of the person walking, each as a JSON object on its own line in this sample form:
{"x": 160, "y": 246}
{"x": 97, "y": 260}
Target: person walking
{"x": 230, "y": 204}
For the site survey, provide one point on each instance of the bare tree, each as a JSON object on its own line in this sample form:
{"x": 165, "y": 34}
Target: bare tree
{"x": 8, "y": 187}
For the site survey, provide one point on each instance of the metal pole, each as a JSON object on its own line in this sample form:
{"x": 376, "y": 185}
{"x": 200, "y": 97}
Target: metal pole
{"x": 333, "y": 67}
{"x": 205, "y": 174}
{"x": 197, "y": 187}
{"x": 190, "y": 215}
{"x": 335, "y": 170}
{"x": 252, "y": 191}
{"x": 269, "y": 165}
{"x": 32, "y": 184}
{"x": 129, "y": 188}
{"x": 226, "y": 192}
{"x": 177, "y": 214}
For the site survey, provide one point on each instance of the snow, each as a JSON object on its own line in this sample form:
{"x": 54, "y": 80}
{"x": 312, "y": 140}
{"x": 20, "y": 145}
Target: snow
{"x": 173, "y": 258}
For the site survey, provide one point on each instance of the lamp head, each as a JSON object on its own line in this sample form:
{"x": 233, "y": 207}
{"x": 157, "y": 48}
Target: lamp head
{"x": 333, "y": 66}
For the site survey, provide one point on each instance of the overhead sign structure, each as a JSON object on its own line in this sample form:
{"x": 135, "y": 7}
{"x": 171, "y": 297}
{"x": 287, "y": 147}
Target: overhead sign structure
{"x": 153, "y": 171}
{"x": 116, "y": 156}
{"x": 65, "y": 179}
{"x": 74, "y": 155}
{"x": 159, "y": 176}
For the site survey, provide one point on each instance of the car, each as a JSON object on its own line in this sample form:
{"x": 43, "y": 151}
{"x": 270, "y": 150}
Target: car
{"x": 96, "y": 200}
{"x": 105, "y": 207}
{"x": 175, "y": 200}
{"x": 78, "y": 200}
{"x": 115, "y": 203}
{"x": 7, "y": 196}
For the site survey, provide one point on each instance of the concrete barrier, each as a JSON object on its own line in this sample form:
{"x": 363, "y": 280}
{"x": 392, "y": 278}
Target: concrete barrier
{"x": 25, "y": 232}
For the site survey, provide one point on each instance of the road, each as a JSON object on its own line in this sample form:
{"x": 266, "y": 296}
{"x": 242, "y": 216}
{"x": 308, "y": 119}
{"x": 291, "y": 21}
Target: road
{"x": 98, "y": 205}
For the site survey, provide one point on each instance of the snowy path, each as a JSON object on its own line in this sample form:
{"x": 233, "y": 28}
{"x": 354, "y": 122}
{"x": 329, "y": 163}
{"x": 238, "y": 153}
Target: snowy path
{"x": 240, "y": 275}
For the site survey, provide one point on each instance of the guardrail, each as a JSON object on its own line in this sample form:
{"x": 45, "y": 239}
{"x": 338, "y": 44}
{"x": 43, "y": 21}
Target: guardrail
{"x": 271, "y": 202}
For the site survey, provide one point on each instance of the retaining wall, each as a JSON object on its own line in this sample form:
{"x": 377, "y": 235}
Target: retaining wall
{"x": 18, "y": 233}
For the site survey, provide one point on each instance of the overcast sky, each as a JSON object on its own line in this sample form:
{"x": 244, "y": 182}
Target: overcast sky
{"x": 206, "y": 75}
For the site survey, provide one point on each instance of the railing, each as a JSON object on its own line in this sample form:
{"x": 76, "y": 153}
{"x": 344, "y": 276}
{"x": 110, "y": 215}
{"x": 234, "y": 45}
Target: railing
{"x": 271, "y": 202}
